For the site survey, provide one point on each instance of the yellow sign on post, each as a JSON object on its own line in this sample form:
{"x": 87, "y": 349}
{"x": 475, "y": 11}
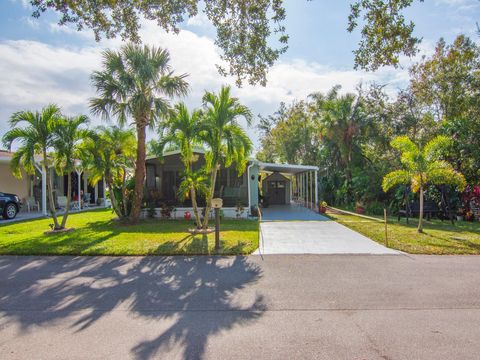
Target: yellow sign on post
{"x": 217, "y": 203}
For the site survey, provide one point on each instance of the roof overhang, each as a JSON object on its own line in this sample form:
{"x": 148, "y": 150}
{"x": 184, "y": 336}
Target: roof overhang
{"x": 174, "y": 152}
{"x": 286, "y": 168}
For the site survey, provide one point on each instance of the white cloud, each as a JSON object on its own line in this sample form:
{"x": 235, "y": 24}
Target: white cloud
{"x": 200, "y": 20}
{"x": 35, "y": 74}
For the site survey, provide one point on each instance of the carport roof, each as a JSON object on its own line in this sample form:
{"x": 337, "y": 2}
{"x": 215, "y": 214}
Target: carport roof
{"x": 286, "y": 168}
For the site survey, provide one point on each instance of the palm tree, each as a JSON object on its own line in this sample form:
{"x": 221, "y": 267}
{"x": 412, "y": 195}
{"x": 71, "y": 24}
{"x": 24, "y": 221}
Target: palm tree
{"x": 108, "y": 155}
{"x": 341, "y": 119}
{"x": 422, "y": 166}
{"x": 36, "y": 138}
{"x": 136, "y": 82}
{"x": 194, "y": 183}
{"x": 227, "y": 141}
{"x": 68, "y": 134}
{"x": 182, "y": 130}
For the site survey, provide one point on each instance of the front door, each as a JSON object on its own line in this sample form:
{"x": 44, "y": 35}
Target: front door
{"x": 276, "y": 192}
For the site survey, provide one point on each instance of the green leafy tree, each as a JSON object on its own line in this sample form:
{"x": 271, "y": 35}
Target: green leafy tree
{"x": 250, "y": 33}
{"x": 446, "y": 85}
{"x": 422, "y": 167}
{"x": 68, "y": 134}
{"x": 226, "y": 140}
{"x": 244, "y": 27}
{"x": 182, "y": 130}
{"x": 448, "y": 82}
{"x": 108, "y": 155}
{"x": 34, "y": 134}
{"x": 136, "y": 82}
{"x": 194, "y": 182}
{"x": 342, "y": 120}
{"x": 385, "y": 33}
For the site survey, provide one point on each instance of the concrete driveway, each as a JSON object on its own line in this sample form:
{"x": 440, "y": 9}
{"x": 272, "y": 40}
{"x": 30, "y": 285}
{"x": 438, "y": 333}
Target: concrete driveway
{"x": 275, "y": 307}
{"x": 296, "y": 230}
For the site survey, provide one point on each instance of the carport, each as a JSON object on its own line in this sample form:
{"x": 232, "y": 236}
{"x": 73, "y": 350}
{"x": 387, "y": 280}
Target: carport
{"x": 286, "y": 183}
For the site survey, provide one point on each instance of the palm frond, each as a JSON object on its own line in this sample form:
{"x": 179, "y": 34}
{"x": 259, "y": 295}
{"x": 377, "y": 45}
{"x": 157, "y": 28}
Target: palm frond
{"x": 394, "y": 178}
{"x": 404, "y": 144}
{"x": 434, "y": 149}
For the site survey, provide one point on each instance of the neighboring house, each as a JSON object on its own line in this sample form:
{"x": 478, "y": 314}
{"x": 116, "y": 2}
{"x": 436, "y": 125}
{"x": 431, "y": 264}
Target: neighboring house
{"x": 279, "y": 184}
{"x": 8, "y": 182}
{"x": 31, "y": 187}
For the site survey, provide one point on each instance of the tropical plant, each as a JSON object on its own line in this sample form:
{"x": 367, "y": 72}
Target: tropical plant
{"x": 423, "y": 166}
{"x": 136, "y": 82}
{"x": 68, "y": 134}
{"x": 342, "y": 120}
{"x": 226, "y": 140}
{"x": 182, "y": 130}
{"x": 194, "y": 182}
{"x": 108, "y": 155}
{"x": 35, "y": 139}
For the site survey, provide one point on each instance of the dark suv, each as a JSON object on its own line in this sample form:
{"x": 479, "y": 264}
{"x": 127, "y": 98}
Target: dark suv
{"x": 10, "y": 205}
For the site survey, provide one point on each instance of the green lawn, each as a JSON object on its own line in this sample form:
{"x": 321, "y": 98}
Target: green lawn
{"x": 97, "y": 233}
{"x": 440, "y": 238}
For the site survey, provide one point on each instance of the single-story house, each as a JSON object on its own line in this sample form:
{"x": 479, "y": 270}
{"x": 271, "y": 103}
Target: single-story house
{"x": 274, "y": 184}
{"x": 32, "y": 188}
{"x": 271, "y": 184}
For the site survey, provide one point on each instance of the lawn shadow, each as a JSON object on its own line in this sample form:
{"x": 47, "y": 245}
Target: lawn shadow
{"x": 195, "y": 295}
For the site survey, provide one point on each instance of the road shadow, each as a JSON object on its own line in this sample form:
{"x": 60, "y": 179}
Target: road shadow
{"x": 196, "y": 295}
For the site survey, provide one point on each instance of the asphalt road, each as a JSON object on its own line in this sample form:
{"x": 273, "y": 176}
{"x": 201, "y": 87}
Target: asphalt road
{"x": 275, "y": 307}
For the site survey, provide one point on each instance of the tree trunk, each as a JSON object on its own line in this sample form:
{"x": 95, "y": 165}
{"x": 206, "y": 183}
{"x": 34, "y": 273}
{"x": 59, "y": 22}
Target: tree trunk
{"x": 420, "y": 215}
{"x": 113, "y": 199}
{"x": 195, "y": 207}
{"x": 213, "y": 178}
{"x": 124, "y": 193}
{"x": 69, "y": 198}
{"x": 139, "y": 174}
{"x": 53, "y": 212}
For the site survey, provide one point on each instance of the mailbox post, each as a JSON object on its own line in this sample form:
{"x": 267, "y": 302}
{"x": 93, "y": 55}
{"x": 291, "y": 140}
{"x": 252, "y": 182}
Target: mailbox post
{"x": 217, "y": 204}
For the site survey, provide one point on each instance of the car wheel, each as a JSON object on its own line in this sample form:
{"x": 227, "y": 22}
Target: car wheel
{"x": 10, "y": 211}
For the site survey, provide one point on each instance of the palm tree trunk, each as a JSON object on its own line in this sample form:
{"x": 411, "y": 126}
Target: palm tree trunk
{"x": 420, "y": 215}
{"x": 139, "y": 174}
{"x": 113, "y": 199}
{"x": 193, "y": 195}
{"x": 195, "y": 207}
{"x": 124, "y": 192}
{"x": 69, "y": 198}
{"x": 53, "y": 212}
{"x": 213, "y": 178}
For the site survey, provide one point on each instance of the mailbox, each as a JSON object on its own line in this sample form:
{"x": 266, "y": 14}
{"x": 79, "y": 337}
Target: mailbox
{"x": 217, "y": 203}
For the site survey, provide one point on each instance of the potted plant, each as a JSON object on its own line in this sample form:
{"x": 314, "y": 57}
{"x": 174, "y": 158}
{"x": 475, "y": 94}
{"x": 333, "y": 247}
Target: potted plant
{"x": 322, "y": 207}
{"x": 359, "y": 208}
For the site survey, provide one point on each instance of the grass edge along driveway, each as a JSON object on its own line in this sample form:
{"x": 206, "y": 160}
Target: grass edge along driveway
{"x": 98, "y": 233}
{"x": 439, "y": 238}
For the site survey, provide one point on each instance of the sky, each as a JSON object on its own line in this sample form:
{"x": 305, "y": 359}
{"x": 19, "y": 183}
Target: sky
{"x": 42, "y": 62}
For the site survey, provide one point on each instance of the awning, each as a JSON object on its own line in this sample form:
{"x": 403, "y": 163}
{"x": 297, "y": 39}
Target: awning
{"x": 286, "y": 168}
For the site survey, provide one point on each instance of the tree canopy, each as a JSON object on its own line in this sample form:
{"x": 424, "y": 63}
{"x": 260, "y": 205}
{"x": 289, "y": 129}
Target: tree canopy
{"x": 250, "y": 33}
